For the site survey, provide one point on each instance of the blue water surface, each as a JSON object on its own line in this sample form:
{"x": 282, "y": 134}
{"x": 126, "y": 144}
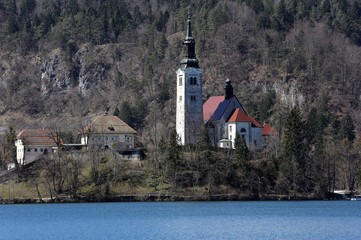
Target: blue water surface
{"x": 183, "y": 220}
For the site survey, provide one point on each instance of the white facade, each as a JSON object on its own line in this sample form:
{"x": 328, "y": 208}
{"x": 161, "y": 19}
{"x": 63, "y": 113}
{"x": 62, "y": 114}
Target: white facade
{"x": 251, "y": 135}
{"x": 31, "y": 153}
{"x": 225, "y": 118}
{"x": 189, "y": 114}
{"x": 108, "y": 132}
{"x": 32, "y": 144}
{"x": 106, "y": 140}
{"x": 189, "y": 103}
{"x": 20, "y": 151}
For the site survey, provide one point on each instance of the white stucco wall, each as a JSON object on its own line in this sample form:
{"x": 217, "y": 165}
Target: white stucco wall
{"x": 19, "y": 151}
{"x": 125, "y": 141}
{"x": 252, "y": 135}
{"x": 189, "y": 105}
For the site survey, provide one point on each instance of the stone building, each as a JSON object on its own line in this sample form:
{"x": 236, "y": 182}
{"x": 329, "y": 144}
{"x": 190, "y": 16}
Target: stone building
{"x": 108, "y": 132}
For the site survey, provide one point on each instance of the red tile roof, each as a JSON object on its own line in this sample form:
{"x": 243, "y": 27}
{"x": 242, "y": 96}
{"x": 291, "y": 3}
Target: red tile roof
{"x": 210, "y": 106}
{"x": 268, "y": 130}
{"x": 240, "y": 116}
{"x": 37, "y": 137}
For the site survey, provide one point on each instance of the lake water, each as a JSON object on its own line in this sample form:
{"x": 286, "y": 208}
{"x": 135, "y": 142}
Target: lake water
{"x": 183, "y": 220}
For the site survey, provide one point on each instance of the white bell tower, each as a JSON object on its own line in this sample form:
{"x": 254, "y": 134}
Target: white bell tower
{"x": 189, "y": 114}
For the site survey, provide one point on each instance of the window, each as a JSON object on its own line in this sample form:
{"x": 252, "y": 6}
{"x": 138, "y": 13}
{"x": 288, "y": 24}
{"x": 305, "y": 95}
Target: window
{"x": 180, "y": 98}
{"x": 28, "y": 149}
{"x": 243, "y": 130}
{"x": 193, "y": 81}
{"x": 41, "y": 149}
{"x": 180, "y": 81}
{"x": 193, "y": 97}
{"x": 230, "y": 128}
{"x": 230, "y": 137}
{"x": 35, "y": 149}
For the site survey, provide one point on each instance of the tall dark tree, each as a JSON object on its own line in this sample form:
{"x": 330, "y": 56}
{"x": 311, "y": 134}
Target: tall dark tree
{"x": 348, "y": 128}
{"x": 242, "y": 154}
{"x": 10, "y": 148}
{"x": 174, "y": 158}
{"x": 293, "y": 142}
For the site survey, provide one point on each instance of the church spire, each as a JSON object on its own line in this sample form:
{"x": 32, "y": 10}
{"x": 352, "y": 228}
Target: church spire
{"x": 189, "y": 59}
{"x": 189, "y": 28}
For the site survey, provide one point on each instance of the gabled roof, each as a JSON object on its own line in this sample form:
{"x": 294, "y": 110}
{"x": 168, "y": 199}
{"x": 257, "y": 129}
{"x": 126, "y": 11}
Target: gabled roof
{"x": 240, "y": 116}
{"x": 215, "y": 107}
{"x": 268, "y": 130}
{"x": 110, "y": 125}
{"x": 37, "y": 137}
{"x": 210, "y": 106}
{"x": 221, "y": 109}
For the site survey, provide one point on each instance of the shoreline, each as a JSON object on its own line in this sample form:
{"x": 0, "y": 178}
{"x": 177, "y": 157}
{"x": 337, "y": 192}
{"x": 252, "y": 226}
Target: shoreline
{"x": 165, "y": 198}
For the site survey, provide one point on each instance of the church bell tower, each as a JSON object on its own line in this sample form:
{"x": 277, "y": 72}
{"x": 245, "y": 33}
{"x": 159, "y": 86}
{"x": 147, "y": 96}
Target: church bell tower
{"x": 189, "y": 114}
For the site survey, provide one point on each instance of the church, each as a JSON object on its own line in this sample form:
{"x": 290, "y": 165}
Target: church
{"x": 223, "y": 116}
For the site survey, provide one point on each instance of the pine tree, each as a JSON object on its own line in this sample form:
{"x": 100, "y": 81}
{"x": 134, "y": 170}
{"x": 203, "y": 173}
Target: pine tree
{"x": 174, "y": 158}
{"x": 293, "y": 142}
{"x": 293, "y": 135}
{"x": 348, "y": 128}
{"x": 10, "y": 148}
{"x": 242, "y": 154}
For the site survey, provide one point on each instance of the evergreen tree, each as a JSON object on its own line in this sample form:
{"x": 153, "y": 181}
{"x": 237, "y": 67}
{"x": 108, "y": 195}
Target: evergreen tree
{"x": 293, "y": 135}
{"x": 293, "y": 142}
{"x": 174, "y": 158}
{"x": 10, "y": 148}
{"x": 348, "y": 128}
{"x": 242, "y": 155}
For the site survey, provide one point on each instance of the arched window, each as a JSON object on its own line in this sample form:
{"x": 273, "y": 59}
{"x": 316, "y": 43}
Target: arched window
{"x": 193, "y": 81}
{"x": 243, "y": 130}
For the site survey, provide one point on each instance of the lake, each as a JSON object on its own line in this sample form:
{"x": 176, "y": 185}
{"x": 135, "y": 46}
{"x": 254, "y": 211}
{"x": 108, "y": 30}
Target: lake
{"x": 183, "y": 220}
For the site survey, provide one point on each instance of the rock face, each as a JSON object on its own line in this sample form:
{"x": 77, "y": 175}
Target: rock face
{"x": 289, "y": 93}
{"x": 53, "y": 76}
{"x": 87, "y": 67}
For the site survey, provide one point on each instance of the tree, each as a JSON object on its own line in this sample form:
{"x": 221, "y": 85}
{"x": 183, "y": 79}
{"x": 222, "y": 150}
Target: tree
{"x": 293, "y": 142}
{"x": 10, "y": 148}
{"x": 283, "y": 19}
{"x": 73, "y": 172}
{"x": 267, "y": 103}
{"x": 174, "y": 158}
{"x": 348, "y": 128}
{"x": 242, "y": 154}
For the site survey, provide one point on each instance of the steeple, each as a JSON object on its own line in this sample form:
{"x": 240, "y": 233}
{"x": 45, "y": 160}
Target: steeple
{"x": 228, "y": 89}
{"x": 189, "y": 114}
{"x": 189, "y": 59}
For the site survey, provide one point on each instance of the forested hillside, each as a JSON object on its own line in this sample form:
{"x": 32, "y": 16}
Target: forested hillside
{"x": 293, "y": 64}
